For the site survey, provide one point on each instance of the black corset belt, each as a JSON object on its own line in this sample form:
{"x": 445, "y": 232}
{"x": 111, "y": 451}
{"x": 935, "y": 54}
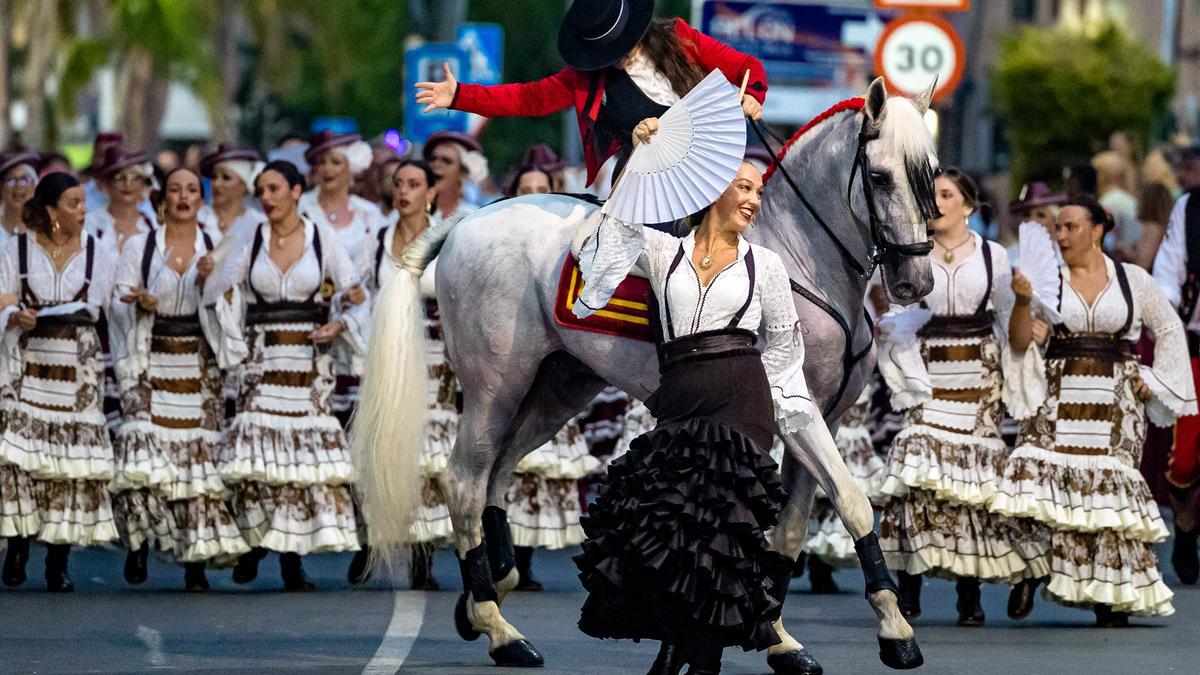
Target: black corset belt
{"x": 1107, "y": 347}
{"x": 287, "y": 312}
{"x": 950, "y": 326}
{"x": 177, "y": 326}
{"x": 705, "y": 345}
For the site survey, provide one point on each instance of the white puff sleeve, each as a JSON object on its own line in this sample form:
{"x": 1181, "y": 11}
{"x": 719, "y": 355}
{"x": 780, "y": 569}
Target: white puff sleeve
{"x": 783, "y": 354}
{"x": 1170, "y": 378}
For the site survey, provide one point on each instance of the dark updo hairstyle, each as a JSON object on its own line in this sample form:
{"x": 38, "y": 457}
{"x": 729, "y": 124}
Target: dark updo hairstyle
{"x": 965, "y": 184}
{"x": 47, "y": 194}
{"x": 528, "y": 168}
{"x": 158, "y": 196}
{"x": 289, "y": 172}
{"x": 430, "y": 178}
{"x": 1096, "y": 213}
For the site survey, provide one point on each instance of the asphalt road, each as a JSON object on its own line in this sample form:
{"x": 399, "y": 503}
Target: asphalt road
{"x": 106, "y": 626}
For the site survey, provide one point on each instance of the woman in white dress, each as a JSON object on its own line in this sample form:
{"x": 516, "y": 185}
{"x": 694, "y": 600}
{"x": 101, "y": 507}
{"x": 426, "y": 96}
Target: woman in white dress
{"x": 55, "y": 456}
{"x": 127, "y": 179}
{"x": 18, "y": 178}
{"x": 169, "y": 497}
{"x": 412, "y": 200}
{"x": 943, "y": 361}
{"x": 286, "y": 454}
{"x": 455, "y": 159}
{"x": 1073, "y": 483}
{"x": 336, "y": 160}
{"x": 231, "y": 172}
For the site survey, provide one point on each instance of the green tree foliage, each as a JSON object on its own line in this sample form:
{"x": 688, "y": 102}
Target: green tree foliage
{"x": 325, "y": 57}
{"x": 1060, "y": 94}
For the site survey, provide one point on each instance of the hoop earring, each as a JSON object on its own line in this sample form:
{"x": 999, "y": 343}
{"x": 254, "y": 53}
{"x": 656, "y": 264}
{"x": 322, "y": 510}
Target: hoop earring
{"x": 56, "y": 225}
{"x": 429, "y": 208}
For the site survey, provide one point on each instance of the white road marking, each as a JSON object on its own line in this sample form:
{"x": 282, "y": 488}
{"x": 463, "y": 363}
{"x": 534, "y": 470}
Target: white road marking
{"x": 408, "y": 613}
{"x": 153, "y": 641}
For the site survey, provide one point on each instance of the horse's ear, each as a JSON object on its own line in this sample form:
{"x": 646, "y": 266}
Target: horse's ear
{"x": 926, "y": 97}
{"x": 876, "y": 97}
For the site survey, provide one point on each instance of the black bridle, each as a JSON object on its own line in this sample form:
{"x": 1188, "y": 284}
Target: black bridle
{"x": 882, "y": 248}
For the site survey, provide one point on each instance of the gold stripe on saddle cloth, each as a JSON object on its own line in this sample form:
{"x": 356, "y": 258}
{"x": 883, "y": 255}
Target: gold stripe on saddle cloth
{"x": 1086, "y": 406}
{"x": 956, "y": 372}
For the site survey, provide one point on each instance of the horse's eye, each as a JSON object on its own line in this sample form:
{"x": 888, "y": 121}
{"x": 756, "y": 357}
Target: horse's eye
{"x": 881, "y": 179}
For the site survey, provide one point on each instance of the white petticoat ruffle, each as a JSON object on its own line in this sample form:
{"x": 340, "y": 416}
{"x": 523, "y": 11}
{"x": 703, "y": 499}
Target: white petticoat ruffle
{"x": 922, "y": 458}
{"x": 1037, "y": 484}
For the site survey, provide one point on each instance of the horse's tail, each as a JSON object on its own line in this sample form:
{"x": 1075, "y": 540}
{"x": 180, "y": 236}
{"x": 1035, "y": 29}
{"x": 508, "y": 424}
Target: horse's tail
{"x": 389, "y": 423}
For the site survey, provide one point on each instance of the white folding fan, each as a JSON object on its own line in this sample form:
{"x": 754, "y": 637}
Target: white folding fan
{"x": 1040, "y": 261}
{"x": 689, "y": 162}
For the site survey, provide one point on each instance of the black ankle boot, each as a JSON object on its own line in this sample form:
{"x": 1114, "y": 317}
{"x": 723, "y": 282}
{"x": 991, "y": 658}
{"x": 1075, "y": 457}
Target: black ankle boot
{"x": 292, "y": 571}
{"x": 970, "y": 607}
{"x": 910, "y": 595}
{"x": 15, "y": 560}
{"x": 704, "y": 659}
{"x": 420, "y": 571}
{"x": 1107, "y": 618}
{"x": 246, "y": 569}
{"x": 1020, "y": 598}
{"x": 669, "y": 661}
{"x": 57, "y": 579}
{"x": 820, "y": 576}
{"x": 360, "y": 570}
{"x": 524, "y": 556}
{"x": 194, "y": 579}
{"x": 137, "y": 565}
{"x": 1184, "y": 557}
{"x": 798, "y": 566}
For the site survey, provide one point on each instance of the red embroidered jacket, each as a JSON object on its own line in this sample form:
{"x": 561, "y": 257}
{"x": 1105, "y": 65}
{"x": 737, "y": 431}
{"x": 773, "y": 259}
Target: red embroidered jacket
{"x": 585, "y": 90}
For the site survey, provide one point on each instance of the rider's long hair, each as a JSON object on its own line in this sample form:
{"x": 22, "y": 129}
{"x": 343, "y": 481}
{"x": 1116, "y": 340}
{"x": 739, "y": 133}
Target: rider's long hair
{"x": 664, "y": 47}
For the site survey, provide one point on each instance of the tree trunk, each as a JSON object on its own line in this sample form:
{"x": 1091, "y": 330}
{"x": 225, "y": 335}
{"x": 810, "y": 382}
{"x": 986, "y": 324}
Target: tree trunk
{"x": 141, "y": 99}
{"x": 224, "y": 124}
{"x": 5, "y": 28}
{"x": 43, "y": 38}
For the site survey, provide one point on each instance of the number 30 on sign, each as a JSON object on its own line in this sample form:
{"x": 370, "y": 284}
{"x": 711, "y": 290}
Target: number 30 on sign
{"x": 914, "y": 49}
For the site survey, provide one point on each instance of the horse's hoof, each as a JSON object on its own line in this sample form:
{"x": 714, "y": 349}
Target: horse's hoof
{"x": 462, "y": 622}
{"x": 517, "y": 654}
{"x": 795, "y": 663}
{"x": 900, "y": 654}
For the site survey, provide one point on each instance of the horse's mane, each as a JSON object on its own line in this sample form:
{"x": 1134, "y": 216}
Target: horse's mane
{"x": 851, "y": 104}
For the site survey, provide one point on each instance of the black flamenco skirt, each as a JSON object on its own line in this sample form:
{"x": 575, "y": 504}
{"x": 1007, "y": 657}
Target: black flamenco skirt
{"x": 675, "y": 548}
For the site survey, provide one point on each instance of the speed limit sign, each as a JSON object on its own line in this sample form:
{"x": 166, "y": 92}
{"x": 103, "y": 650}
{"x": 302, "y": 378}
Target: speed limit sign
{"x": 914, "y": 49}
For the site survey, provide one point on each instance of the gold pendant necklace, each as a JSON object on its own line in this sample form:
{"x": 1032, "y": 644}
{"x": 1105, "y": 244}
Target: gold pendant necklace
{"x": 948, "y": 256}
{"x": 706, "y": 262}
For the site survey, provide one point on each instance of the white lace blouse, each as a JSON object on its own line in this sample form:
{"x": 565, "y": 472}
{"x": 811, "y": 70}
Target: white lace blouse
{"x": 1169, "y": 379}
{"x": 611, "y": 252}
{"x": 263, "y": 279}
{"x": 359, "y": 236}
{"x": 178, "y": 296}
{"x": 957, "y": 291}
{"x": 212, "y": 225}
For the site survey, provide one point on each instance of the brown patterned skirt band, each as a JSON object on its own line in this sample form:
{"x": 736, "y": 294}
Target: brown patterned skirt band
{"x": 951, "y": 326}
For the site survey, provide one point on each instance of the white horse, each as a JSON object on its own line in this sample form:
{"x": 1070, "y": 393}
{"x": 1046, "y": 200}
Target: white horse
{"x": 856, "y": 191}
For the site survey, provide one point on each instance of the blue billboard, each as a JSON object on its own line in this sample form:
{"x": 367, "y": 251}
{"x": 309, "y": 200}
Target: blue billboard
{"x": 815, "y": 53}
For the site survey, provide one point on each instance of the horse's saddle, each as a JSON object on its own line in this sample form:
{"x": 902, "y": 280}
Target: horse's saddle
{"x": 629, "y": 311}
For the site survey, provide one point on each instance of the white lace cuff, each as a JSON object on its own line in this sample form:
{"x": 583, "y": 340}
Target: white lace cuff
{"x": 899, "y": 357}
{"x": 1170, "y": 400}
{"x": 1025, "y": 383}
{"x": 794, "y": 407}
{"x": 605, "y": 260}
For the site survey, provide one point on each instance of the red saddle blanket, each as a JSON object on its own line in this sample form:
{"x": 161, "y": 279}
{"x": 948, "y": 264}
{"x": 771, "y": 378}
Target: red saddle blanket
{"x": 626, "y": 315}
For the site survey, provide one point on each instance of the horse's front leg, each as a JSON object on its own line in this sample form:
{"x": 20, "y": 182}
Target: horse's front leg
{"x": 478, "y": 609}
{"x": 814, "y": 447}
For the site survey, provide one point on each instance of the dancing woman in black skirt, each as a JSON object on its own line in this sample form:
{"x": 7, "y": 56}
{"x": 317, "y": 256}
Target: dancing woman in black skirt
{"x": 675, "y": 549}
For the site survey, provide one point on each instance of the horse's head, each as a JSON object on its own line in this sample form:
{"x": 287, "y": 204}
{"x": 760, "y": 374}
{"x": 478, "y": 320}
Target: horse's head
{"x": 895, "y": 166}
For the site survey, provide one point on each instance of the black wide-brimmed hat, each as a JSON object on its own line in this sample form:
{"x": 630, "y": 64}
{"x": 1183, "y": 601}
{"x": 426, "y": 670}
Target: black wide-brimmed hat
{"x": 595, "y": 34}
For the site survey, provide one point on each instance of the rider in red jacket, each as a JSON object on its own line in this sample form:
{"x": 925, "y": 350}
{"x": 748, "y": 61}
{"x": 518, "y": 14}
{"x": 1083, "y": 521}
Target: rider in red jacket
{"x": 622, "y": 67}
